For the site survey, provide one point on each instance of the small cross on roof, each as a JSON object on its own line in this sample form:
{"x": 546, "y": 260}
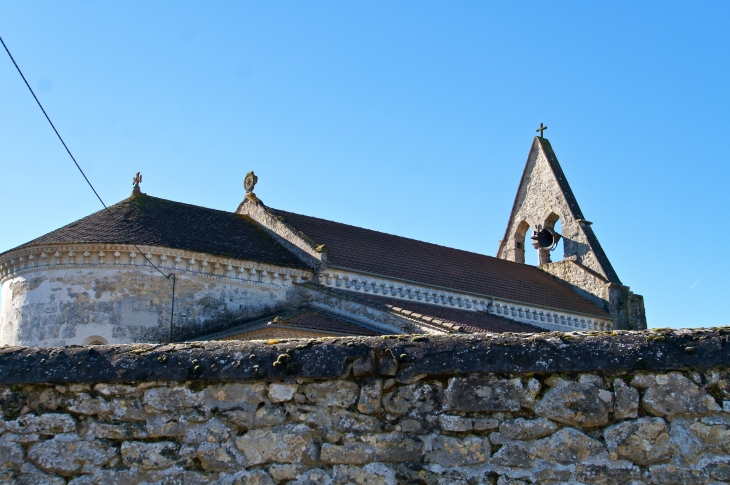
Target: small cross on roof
{"x": 541, "y": 129}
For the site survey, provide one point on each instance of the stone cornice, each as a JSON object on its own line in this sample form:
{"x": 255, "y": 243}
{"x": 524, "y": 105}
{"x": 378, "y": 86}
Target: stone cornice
{"x": 540, "y": 316}
{"x": 603, "y": 352}
{"x": 92, "y": 255}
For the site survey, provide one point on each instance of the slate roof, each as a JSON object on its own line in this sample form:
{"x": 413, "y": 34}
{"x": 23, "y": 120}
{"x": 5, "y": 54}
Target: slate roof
{"x": 444, "y": 318}
{"x": 409, "y": 259}
{"x": 148, "y": 220}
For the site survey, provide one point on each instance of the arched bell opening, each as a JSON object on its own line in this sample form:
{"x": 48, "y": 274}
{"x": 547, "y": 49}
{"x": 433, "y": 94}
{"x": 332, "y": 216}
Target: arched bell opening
{"x": 523, "y": 252}
{"x": 549, "y": 239}
{"x": 559, "y": 251}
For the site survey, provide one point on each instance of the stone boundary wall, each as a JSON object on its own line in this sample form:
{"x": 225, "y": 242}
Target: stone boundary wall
{"x": 648, "y": 407}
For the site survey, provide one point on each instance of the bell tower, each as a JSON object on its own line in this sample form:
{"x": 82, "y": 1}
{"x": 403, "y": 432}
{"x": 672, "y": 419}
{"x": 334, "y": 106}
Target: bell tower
{"x": 543, "y": 198}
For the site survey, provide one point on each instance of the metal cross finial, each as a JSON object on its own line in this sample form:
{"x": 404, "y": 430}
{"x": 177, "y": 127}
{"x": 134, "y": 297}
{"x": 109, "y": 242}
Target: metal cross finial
{"x": 541, "y": 129}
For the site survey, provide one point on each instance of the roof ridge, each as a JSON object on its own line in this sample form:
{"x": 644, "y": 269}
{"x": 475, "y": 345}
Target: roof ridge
{"x": 388, "y": 234}
{"x": 154, "y": 221}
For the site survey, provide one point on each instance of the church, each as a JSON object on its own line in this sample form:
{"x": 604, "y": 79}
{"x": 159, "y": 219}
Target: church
{"x": 154, "y": 270}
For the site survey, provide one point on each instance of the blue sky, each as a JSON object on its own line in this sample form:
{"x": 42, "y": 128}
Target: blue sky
{"x": 413, "y": 118}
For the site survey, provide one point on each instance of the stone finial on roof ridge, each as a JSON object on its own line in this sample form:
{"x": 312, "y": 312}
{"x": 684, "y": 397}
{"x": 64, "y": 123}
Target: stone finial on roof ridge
{"x": 135, "y": 182}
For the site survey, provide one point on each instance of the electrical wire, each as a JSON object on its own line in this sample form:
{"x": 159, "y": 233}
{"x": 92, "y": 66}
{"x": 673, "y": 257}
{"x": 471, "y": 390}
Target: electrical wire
{"x": 168, "y": 276}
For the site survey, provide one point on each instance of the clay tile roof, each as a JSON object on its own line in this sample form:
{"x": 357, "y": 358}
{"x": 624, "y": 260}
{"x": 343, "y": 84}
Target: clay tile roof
{"x": 159, "y": 222}
{"x": 408, "y": 259}
{"x": 306, "y": 319}
{"x": 314, "y": 320}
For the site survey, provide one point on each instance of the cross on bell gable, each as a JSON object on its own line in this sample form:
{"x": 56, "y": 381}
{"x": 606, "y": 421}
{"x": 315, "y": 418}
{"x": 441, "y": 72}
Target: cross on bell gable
{"x": 541, "y": 129}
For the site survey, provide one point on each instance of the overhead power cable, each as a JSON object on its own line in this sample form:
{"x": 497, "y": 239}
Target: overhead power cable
{"x": 168, "y": 276}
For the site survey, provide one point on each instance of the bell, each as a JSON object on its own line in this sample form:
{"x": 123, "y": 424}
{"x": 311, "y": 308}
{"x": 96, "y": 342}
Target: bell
{"x": 546, "y": 239}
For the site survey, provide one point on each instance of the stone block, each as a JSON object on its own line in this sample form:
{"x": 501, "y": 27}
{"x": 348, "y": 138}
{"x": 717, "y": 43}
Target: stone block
{"x": 286, "y": 472}
{"x": 47, "y": 399}
{"x": 719, "y": 471}
{"x": 167, "y": 426}
{"x": 36, "y": 478}
{"x": 270, "y": 415}
{"x": 643, "y": 381}
{"x": 567, "y": 446}
{"x": 350, "y": 422}
{"x": 593, "y": 380}
{"x": 687, "y": 446}
{"x": 171, "y": 399}
{"x": 352, "y": 453}
{"x": 212, "y": 431}
{"x": 220, "y": 457}
{"x": 234, "y": 395}
{"x": 483, "y": 424}
{"x": 576, "y": 404}
{"x": 313, "y": 476}
{"x": 320, "y": 417}
{"x": 252, "y": 477}
{"x": 161, "y": 454}
{"x": 121, "y": 432}
{"x": 332, "y": 393}
{"x": 549, "y": 473}
{"x": 456, "y": 424}
{"x": 532, "y": 389}
{"x": 243, "y": 419}
{"x": 449, "y": 451}
{"x": 279, "y": 444}
{"x": 22, "y": 438}
{"x": 644, "y": 441}
{"x": 414, "y": 399}
{"x": 387, "y": 364}
{"x": 523, "y": 429}
{"x": 85, "y": 404}
{"x": 669, "y": 474}
{"x": 626, "y": 400}
{"x": 282, "y": 392}
{"x": 364, "y": 365}
{"x": 600, "y": 470}
{"x": 716, "y": 438}
{"x": 135, "y": 476}
{"x": 414, "y": 426}
{"x": 67, "y": 455}
{"x": 371, "y": 394}
{"x": 484, "y": 394}
{"x": 674, "y": 394}
{"x": 44, "y": 424}
{"x": 131, "y": 409}
{"x": 393, "y": 447}
{"x": 515, "y": 454}
{"x": 370, "y": 474}
{"x": 11, "y": 455}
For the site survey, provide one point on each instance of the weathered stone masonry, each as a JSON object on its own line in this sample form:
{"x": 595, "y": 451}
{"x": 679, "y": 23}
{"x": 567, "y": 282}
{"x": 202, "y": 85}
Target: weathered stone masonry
{"x": 623, "y": 407}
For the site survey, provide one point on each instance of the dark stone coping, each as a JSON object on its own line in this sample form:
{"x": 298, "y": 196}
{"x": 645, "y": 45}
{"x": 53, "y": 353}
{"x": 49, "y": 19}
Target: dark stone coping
{"x": 328, "y": 358}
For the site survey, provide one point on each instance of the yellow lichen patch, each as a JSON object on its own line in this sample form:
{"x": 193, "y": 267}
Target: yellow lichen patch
{"x": 273, "y": 341}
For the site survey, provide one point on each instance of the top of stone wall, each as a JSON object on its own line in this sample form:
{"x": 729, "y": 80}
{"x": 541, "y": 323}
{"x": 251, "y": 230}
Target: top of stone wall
{"x": 406, "y": 357}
